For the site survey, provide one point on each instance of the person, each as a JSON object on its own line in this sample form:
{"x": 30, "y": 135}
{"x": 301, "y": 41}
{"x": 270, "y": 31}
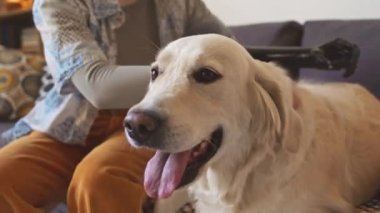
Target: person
{"x": 72, "y": 146}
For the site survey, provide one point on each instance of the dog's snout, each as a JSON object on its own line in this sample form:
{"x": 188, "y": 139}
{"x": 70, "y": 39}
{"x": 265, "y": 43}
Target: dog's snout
{"x": 141, "y": 126}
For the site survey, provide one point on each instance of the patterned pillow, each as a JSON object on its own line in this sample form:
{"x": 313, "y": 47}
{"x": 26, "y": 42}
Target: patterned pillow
{"x": 20, "y": 80}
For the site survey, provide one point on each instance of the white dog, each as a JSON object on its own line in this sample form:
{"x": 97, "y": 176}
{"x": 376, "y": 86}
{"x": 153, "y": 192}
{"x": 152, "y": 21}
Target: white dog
{"x": 251, "y": 140}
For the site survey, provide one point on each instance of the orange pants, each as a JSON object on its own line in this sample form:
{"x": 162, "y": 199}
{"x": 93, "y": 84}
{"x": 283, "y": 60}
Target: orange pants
{"x": 105, "y": 175}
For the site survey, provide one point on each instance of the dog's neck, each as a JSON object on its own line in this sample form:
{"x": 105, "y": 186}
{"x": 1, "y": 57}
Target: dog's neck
{"x": 256, "y": 173}
{"x": 228, "y": 189}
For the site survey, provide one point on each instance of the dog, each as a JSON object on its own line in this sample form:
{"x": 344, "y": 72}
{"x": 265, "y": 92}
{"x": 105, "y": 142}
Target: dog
{"x": 244, "y": 138}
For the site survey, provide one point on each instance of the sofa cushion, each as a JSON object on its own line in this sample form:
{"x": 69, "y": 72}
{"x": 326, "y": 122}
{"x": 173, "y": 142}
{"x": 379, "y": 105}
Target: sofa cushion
{"x": 364, "y": 33}
{"x": 20, "y": 80}
{"x": 268, "y": 34}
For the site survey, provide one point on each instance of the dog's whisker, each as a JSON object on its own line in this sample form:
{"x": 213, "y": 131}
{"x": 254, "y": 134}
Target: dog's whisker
{"x": 152, "y": 43}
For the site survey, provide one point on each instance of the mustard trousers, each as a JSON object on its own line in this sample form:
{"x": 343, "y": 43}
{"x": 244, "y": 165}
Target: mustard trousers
{"x": 105, "y": 175}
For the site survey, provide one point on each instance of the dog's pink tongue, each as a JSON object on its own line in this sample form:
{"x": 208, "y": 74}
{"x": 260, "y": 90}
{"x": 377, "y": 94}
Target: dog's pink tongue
{"x": 164, "y": 173}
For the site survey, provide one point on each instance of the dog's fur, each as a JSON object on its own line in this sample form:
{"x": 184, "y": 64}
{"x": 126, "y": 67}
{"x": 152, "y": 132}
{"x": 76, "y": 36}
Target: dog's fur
{"x": 287, "y": 147}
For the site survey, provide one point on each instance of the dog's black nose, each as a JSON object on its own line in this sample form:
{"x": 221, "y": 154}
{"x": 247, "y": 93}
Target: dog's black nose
{"x": 141, "y": 125}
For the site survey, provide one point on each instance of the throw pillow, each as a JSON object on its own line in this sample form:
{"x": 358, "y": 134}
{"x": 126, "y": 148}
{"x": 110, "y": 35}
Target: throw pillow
{"x": 20, "y": 80}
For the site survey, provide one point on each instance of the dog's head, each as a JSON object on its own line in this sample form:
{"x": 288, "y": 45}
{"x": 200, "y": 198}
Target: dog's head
{"x": 206, "y": 94}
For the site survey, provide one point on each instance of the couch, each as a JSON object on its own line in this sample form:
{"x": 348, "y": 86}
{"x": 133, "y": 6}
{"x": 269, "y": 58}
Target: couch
{"x": 364, "y": 33}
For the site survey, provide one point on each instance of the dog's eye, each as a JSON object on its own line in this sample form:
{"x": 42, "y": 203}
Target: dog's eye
{"x": 206, "y": 75}
{"x": 154, "y": 73}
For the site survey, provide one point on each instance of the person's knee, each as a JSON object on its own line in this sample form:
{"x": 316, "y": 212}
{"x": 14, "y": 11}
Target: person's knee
{"x": 7, "y": 173}
{"x": 100, "y": 187}
{"x": 93, "y": 181}
{"x": 85, "y": 179}
{"x": 7, "y": 181}
{"x": 103, "y": 174}
{"x": 90, "y": 176}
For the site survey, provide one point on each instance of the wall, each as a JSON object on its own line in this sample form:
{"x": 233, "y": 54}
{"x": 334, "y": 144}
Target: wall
{"x": 234, "y": 12}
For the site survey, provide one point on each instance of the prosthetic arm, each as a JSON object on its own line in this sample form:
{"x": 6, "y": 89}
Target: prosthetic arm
{"x": 334, "y": 55}
{"x": 120, "y": 87}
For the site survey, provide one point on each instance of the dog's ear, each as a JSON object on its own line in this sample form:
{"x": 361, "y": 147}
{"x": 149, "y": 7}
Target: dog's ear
{"x": 275, "y": 91}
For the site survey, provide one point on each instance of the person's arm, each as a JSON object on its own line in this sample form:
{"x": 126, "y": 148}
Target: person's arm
{"x": 112, "y": 87}
{"x": 78, "y": 63}
{"x": 68, "y": 43}
{"x": 200, "y": 20}
{"x": 119, "y": 87}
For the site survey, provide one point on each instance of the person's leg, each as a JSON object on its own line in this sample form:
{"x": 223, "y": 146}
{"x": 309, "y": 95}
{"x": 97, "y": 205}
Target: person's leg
{"x": 109, "y": 178}
{"x": 35, "y": 171}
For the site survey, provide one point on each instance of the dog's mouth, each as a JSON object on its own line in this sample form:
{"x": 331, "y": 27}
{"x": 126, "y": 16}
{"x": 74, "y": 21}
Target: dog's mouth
{"x": 166, "y": 172}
